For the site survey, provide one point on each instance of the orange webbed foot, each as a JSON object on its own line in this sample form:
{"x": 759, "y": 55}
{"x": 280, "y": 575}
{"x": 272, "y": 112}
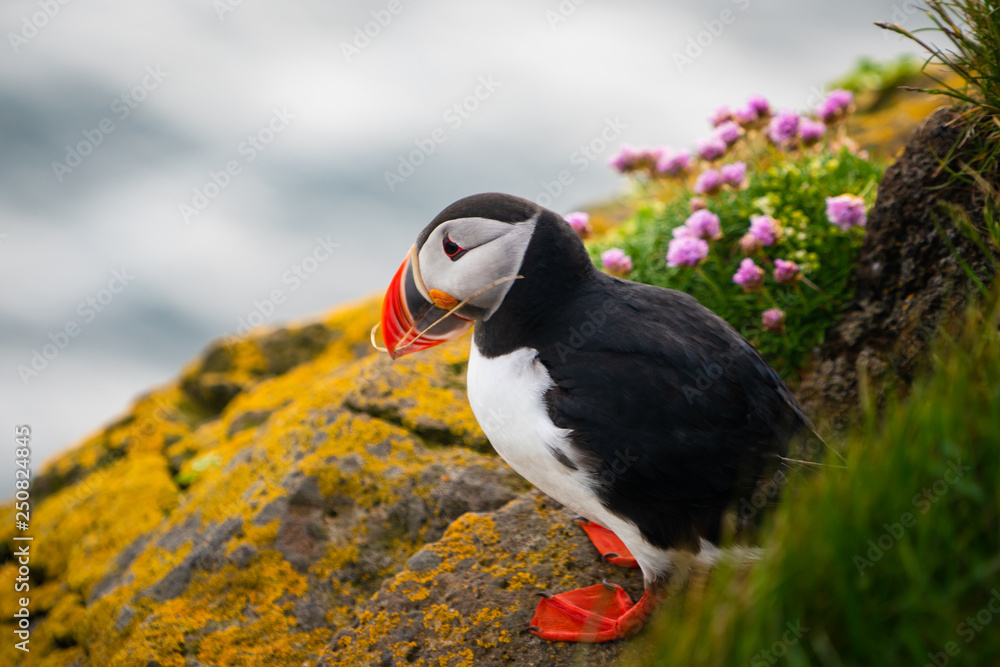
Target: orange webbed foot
{"x": 594, "y": 614}
{"x": 608, "y": 545}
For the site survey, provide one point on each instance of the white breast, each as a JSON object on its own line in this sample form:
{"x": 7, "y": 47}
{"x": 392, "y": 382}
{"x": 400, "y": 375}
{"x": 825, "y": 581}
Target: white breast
{"x": 507, "y": 395}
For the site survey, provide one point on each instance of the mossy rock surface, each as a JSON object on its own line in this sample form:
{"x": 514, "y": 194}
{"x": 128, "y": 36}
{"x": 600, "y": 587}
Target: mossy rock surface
{"x": 251, "y": 530}
{"x": 469, "y": 598}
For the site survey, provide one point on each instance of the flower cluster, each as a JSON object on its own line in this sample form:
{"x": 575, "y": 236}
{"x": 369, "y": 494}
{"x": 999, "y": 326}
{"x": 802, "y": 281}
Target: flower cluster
{"x": 686, "y": 251}
{"x": 629, "y": 158}
{"x": 784, "y": 129}
{"x": 754, "y": 244}
{"x": 658, "y": 160}
{"x": 616, "y": 262}
{"x": 580, "y": 222}
{"x": 749, "y": 276}
{"x": 846, "y": 211}
{"x": 836, "y": 106}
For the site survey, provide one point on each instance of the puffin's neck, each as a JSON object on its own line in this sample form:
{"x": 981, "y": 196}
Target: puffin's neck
{"x": 556, "y": 269}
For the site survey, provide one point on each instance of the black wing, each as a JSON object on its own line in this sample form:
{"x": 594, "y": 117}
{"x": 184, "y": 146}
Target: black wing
{"x": 678, "y": 417}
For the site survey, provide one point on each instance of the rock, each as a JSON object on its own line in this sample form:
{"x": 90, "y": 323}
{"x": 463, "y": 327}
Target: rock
{"x": 251, "y": 535}
{"x": 468, "y": 598}
{"x": 909, "y": 282}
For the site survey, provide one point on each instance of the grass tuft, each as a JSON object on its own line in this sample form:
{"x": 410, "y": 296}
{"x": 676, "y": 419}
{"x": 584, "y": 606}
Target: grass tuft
{"x": 895, "y": 561}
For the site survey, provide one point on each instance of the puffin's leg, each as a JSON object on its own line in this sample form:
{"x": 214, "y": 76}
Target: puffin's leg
{"x": 595, "y": 614}
{"x": 608, "y": 545}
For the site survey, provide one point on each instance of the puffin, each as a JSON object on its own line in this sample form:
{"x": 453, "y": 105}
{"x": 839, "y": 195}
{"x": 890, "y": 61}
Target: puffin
{"x": 634, "y": 406}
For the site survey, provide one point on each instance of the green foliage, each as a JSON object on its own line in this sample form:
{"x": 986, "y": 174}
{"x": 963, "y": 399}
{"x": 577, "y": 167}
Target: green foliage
{"x": 879, "y": 77}
{"x": 792, "y": 188}
{"x": 893, "y": 561}
{"x": 972, "y": 28}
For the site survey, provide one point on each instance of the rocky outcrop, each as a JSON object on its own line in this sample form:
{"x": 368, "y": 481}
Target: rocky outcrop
{"x": 469, "y": 598}
{"x": 910, "y": 277}
{"x": 315, "y": 504}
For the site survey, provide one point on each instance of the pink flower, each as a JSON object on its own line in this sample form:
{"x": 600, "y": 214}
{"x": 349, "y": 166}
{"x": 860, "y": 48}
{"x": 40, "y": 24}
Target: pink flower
{"x": 760, "y": 105}
{"x": 711, "y": 148}
{"x": 734, "y": 174}
{"x": 629, "y": 158}
{"x": 765, "y": 229}
{"x": 686, "y": 251}
{"x": 773, "y": 320}
{"x": 616, "y": 262}
{"x": 786, "y": 273}
{"x": 749, "y": 276}
{"x": 673, "y": 162}
{"x": 745, "y": 115}
{"x": 697, "y": 204}
{"x": 624, "y": 160}
{"x": 720, "y": 116}
{"x": 811, "y": 131}
{"x": 728, "y": 132}
{"x": 704, "y": 225}
{"x": 835, "y": 106}
{"x": 580, "y": 222}
{"x": 784, "y": 127}
{"x": 708, "y": 182}
{"x": 749, "y": 244}
{"x": 682, "y": 231}
{"x": 846, "y": 211}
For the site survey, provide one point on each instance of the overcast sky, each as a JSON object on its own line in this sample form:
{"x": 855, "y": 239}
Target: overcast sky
{"x": 165, "y": 166}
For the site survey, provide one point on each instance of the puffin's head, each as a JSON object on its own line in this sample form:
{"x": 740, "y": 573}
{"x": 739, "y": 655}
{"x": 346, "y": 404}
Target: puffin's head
{"x": 458, "y": 272}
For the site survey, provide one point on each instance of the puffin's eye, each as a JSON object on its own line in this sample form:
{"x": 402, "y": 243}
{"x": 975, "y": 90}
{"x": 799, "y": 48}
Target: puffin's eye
{"x": 452, "y": 249}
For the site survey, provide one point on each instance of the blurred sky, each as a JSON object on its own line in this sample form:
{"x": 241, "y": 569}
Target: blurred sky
{"x": 165, "y": 93}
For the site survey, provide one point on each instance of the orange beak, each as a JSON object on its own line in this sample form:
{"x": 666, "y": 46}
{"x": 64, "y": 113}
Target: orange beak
{"x": 415, "y": 318}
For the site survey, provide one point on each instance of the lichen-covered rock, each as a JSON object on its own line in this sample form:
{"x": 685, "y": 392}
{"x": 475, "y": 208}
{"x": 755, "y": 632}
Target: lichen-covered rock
{"x": 248, "y": 531}
{"x": 468, "y": 599}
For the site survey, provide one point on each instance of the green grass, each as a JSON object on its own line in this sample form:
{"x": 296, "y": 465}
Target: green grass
{"x": 791, "y": 188}
{"x": 936, "y": 536}
{"x": 971, "y": 30}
